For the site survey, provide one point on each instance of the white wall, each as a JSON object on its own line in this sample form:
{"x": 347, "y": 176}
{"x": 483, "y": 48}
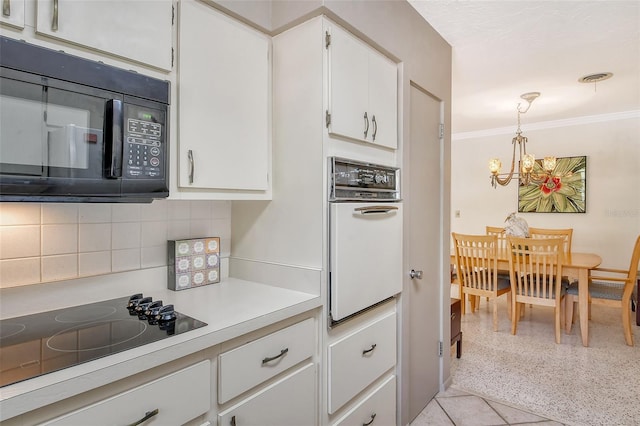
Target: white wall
{"x": 612, "y": 220}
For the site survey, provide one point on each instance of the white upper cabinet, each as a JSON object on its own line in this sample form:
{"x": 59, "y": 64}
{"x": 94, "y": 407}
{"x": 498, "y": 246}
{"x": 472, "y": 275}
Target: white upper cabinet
{"x": 224, "y": 113}
{"x": 139, "y": 30}
{"x": 363, "y": 91}
{"x": 12, "y": 12}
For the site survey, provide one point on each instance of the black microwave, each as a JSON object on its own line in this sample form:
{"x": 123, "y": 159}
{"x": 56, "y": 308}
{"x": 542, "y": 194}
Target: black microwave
{"x": 75, "y": 130}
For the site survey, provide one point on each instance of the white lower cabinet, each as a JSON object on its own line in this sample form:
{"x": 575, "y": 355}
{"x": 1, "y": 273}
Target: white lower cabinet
{"x": 247, "y": 366}
{"x": 290, "y": 401}
{"x": 358, "y": 359}
{"x": 270, "y": 380}
{"x": 177, "y": 397}
{"x": 376, "y": 409}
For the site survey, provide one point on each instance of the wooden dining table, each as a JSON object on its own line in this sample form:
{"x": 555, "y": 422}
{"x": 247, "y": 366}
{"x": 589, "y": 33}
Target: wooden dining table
{"x": 575, "y": 265}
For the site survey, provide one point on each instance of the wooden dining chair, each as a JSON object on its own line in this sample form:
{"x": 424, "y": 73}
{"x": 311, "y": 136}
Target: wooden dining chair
{"x": 566, "y": 234}
{"x": 499, "y": 232}
{"x": 611, "y": 287}
{"x": 477, "y": 266}
{"x": 535, "y": 268}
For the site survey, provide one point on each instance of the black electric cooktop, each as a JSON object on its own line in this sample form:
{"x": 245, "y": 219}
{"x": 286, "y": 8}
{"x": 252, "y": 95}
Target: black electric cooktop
{"x": 37, "y": 344}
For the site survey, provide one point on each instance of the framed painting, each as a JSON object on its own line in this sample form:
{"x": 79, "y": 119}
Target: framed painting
{"x": 563, "y": 191}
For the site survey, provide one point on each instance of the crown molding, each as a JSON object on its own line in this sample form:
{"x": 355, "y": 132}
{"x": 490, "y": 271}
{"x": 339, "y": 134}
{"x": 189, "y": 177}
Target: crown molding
{"x": 589, "y": 119}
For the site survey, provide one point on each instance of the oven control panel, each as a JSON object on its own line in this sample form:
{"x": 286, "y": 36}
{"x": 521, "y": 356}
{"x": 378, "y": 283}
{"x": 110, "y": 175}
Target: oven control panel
{"x": 351, "y": 180}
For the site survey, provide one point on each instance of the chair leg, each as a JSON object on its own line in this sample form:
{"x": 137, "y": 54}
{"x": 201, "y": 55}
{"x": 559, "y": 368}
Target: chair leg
{"x": 557, "y": 313}
{"x": 516, "y": 317}
{"x": 626, "y": 324}
{"x": 463, "y": 302}
{"x": 495, "y": 314}
{"x": 568, "y": 314}
{"x": 509, "y": 313}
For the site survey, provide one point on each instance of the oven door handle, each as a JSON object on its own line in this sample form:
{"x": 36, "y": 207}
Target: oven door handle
{"x": 375, "y": 209}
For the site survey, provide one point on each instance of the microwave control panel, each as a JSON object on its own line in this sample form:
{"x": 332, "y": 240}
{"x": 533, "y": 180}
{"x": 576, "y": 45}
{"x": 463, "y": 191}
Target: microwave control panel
{"x": 144, "y": 143}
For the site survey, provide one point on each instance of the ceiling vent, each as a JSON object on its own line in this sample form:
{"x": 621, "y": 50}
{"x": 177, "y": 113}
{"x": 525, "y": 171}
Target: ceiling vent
{"x": 595, "y": 78}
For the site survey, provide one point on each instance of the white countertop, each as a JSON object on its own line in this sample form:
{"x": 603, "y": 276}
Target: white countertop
{"x": 231, "y": 308}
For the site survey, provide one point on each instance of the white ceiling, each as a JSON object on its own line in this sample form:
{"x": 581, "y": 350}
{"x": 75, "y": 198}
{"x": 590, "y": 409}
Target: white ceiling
{"x": 502, "y": 49}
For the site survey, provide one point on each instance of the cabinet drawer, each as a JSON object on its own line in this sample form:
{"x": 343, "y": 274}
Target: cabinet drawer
{"x": 242, "y": 368}
{"x": 290, "y": 401}
{"x": 379, "y": 408}
{"x": 358, "y": 359}
{"x": 168, "y": 394}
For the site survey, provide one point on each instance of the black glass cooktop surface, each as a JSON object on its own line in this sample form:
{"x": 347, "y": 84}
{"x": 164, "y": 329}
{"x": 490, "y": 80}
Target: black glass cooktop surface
{"x": 37, "y": 344}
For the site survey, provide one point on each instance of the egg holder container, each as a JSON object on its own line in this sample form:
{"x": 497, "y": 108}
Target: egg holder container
{"x": 193, "y": 263}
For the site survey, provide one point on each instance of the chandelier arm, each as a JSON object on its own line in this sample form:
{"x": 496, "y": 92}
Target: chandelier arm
{"x": 505, "y": 181}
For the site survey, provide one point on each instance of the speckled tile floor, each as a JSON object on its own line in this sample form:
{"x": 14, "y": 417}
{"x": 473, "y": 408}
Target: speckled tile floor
{"x": 564, "y": 383}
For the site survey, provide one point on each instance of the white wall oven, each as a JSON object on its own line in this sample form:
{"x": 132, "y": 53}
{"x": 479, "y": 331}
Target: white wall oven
{"x": 365, "y": 237}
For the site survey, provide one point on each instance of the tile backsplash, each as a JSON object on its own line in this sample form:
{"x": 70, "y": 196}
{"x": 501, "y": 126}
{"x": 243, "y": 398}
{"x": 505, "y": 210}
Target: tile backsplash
{"x": 42, "y": 242}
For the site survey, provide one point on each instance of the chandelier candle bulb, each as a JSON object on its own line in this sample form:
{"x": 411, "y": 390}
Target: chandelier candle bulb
{"x": 549, "y": 163}
{"x": 495, "y": 165}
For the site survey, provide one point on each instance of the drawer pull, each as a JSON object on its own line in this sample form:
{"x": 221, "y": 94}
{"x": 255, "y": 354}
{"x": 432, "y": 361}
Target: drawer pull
{"x": 233, "y": 421}
{"x": 373, "y": 417}
{"x": 453, "y": 316}
{"x": 271, "y": 358}
{"x": 366, "y": 351}
{"x": 146, "y": 417}
{"x": 6, "y": 8}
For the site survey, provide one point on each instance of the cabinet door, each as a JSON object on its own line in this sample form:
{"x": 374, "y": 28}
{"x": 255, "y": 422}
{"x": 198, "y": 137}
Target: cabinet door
{"x": 133, "y": 29}
{"x": 223, "y": 101}
{"x": 383, "y": 100}
{"x": 290, "y": 401}
{"x": 348, "y": 86}
{"x": 378, "y": 408}
{"x": 12, "y": 13}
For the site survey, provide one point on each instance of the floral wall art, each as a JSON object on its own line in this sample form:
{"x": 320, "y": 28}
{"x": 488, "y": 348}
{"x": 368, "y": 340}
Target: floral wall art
{"x": 563, "y": 191}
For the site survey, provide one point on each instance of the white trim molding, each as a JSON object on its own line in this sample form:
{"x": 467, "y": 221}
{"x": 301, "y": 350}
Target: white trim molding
{"x": 548, "y": 125}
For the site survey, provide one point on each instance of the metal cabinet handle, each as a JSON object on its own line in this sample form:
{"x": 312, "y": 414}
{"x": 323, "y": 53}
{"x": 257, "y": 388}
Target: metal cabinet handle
{"x": 366, "y": 351}
{"x": 375, "y": 209}
{"x": 146, "y": 417}
{"x": 366, "y": 124}
{"x": 269, "y": 359}
{"x": 54, "y": 23}
{"x": 373, "y": 417}
{"x": 192, "y": 166}
{"x": 375, "y": 127}
{"x": 6, "y": 8}
{"x": 233, "y": 421}
{"x": 415, "y": 274}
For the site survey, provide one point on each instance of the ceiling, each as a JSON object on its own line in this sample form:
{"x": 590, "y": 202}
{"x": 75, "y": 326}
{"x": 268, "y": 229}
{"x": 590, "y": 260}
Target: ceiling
{"x": 502, "y": 49}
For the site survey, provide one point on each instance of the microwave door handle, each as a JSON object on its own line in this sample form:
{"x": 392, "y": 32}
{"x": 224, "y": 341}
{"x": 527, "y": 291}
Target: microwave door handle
{"x": 113, "y": 141}
{"x": 375, "y": 209}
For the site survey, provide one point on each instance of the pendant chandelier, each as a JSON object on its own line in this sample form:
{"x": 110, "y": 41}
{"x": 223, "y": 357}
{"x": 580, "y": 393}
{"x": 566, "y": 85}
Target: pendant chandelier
{"x": 527, "y": 161}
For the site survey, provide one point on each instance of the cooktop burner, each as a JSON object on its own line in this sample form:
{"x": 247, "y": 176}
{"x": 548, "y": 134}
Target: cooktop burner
{"x": 37, "y": 344}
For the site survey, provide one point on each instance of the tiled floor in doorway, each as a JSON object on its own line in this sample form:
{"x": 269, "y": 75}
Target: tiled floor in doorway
{"x": 459, "y": 408}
